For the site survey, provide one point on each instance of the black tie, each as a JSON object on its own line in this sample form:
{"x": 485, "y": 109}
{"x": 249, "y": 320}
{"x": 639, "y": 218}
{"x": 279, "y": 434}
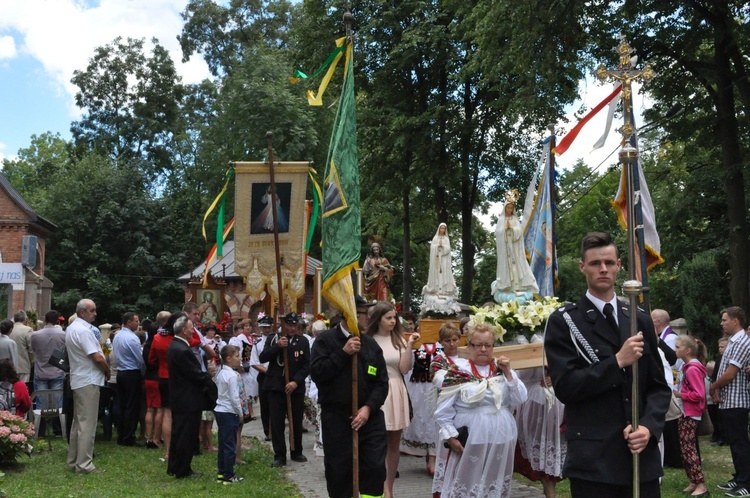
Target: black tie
{"x": 610, "y": 316}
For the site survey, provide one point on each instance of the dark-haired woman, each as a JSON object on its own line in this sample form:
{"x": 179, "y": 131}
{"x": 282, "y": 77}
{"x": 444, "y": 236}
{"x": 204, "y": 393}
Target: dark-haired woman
{"x": 158, "y": 356}
{"x": 385, "y": 328}
{"x": 8, "y": 374}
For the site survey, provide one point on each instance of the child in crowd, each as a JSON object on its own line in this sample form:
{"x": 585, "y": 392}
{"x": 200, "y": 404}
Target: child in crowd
{"x": 228, "y": 413}
{"x": 207, "y": 416}
{"x": 693, "y": 394}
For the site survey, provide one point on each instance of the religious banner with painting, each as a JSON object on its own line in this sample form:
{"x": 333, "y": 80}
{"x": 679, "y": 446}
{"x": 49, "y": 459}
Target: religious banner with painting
{"x": 210, "y": 300}
{"x": 255, "y": 257}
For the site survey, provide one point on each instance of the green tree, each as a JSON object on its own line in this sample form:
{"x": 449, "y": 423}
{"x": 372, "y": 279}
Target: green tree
{"x": 132, "y": 104}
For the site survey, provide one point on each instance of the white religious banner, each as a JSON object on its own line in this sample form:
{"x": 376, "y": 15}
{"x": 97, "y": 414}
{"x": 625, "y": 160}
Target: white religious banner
{"x": 255, "y": 257}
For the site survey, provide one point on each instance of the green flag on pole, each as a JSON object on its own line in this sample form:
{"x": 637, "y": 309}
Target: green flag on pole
{"x": 341, "y": 224}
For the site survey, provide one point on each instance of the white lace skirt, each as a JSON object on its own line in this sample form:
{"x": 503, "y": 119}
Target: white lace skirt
{"x": 485, "y": 468}
{"x": 419, "y": 438}
{"x": 539, "y": 436}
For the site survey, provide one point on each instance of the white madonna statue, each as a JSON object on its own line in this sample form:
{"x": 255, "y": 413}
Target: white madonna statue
{"x": 514, "y": 277}
{"x": 440, "y": 292}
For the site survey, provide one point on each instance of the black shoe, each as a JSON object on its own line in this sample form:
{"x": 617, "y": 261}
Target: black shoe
{"x": 132, "y": 443}
{"x": 731, "y": 484}
{"x": 197, "y": 452}
{"x": 151, "y": 445}
{"x": 267, "y": 438}
{"x": 278, "y": 462}
{"x": 299, "y": 458}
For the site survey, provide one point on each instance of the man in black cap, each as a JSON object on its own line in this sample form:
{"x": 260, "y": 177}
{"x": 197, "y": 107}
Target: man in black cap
{"x": 297, "y": 349}
{"x": 265, "y": 324}
{"x": 332, "y": 372}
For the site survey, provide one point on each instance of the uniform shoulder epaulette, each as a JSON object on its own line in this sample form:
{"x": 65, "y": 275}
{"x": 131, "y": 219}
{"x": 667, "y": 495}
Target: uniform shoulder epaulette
{"x": 567, "y": 307}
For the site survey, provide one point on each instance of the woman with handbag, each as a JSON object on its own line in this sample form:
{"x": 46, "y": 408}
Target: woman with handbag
{"x": 474, "y": 419}
{"x": 693, "y": 394}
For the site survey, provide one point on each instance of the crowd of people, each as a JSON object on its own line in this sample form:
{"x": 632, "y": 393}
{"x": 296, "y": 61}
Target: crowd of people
{"x": 475, "y": 420}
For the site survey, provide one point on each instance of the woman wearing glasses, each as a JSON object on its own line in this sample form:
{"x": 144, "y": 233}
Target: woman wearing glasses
{"x": 474, "y": 420}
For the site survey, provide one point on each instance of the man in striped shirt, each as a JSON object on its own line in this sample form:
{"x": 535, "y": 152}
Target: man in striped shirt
{"x": 730, "y": 391}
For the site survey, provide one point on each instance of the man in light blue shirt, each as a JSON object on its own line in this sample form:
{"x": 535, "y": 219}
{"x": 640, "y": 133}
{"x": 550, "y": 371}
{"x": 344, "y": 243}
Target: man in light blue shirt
{"x": 130, "y": 370}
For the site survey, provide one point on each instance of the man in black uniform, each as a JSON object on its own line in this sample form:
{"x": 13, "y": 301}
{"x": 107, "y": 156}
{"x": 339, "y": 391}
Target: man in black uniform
{"x": 277, "y": 388}
{"x": 590, "y": 353}
{"x": 332, "y": 372}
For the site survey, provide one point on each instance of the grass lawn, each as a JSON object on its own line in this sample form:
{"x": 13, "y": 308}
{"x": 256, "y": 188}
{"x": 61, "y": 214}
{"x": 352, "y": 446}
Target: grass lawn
{"x": 138, "y": 472}
{"x": 717, "y": 469}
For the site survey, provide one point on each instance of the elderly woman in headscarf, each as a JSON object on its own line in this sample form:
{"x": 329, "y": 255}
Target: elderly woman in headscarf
{"x": 475, "y": 421}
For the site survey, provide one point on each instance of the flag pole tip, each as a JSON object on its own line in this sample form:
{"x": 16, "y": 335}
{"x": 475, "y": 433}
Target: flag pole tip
{"x": 269, "y": 135}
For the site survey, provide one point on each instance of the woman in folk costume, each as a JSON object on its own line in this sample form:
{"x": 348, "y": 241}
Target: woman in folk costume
{"x": 541, "y": 445}
{"x": 440, "y": 279}
{"x": 475, "y": 421}
{"x": 419, "y": 438}
{"x": 442, "y": 361}
{"x": 513, "y": 271}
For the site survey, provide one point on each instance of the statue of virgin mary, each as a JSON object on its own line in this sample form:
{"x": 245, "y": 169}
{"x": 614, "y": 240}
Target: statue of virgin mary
{"x": 440, "y": 279}
{"x": 513, "y": 272}
{"x": 440, "y": 293}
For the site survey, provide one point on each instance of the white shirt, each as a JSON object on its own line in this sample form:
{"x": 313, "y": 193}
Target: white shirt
{"x": 600, "y": 305}
{"x": 80, "y": 343}
{"x": 227, "y": 384}
{"x": 255, "y": 353}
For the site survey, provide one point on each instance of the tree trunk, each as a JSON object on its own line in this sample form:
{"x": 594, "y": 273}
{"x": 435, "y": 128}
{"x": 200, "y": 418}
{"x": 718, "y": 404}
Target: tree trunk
{"x": 406, "y": 282}
{"x": 467, "y": 204}
{"x": 734, "y": 181}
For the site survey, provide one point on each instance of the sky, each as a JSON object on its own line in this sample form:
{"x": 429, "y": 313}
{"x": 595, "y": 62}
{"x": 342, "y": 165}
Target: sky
{"x": 43, "y": 41}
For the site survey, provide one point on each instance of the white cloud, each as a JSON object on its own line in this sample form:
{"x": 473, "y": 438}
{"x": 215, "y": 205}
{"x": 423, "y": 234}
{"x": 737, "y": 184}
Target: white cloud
{"x": 7, "y": 47}
{"x": 62, "y": 34}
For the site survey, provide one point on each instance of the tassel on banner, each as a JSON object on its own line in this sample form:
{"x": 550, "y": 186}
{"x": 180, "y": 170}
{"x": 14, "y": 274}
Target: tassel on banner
{"x": 330, "y": 63}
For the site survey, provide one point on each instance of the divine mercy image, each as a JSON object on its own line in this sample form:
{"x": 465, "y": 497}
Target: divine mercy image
{"x": 261, "y": 207}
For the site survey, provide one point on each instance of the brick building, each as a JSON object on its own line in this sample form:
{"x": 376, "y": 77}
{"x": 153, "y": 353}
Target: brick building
{"x": 18, "y": 219}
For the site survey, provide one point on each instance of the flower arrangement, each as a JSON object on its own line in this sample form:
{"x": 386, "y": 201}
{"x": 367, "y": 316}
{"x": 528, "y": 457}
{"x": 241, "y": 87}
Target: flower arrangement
{"x": 15, "y": 433}
{"x": 511, "y": 319}
{"x": 225, "y": 323}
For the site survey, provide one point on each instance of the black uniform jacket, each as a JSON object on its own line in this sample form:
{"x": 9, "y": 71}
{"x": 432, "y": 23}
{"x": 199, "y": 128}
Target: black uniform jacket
{"x": 299, "y": 362}
{"x": 332, "y": 372}
{"x": 188, "y": 384}
{"x": 597, "y": 396}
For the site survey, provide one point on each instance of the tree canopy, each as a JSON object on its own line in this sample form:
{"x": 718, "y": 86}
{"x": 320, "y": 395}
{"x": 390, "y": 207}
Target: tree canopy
{"x": 453, "y": 98}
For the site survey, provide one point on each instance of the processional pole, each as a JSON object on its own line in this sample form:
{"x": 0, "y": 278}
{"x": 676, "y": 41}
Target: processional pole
{"x": 553, "y": 204}
{"x": 280, "y": 289}
{"x": 629, "y": 159}
{"x": 355, "y": 367}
